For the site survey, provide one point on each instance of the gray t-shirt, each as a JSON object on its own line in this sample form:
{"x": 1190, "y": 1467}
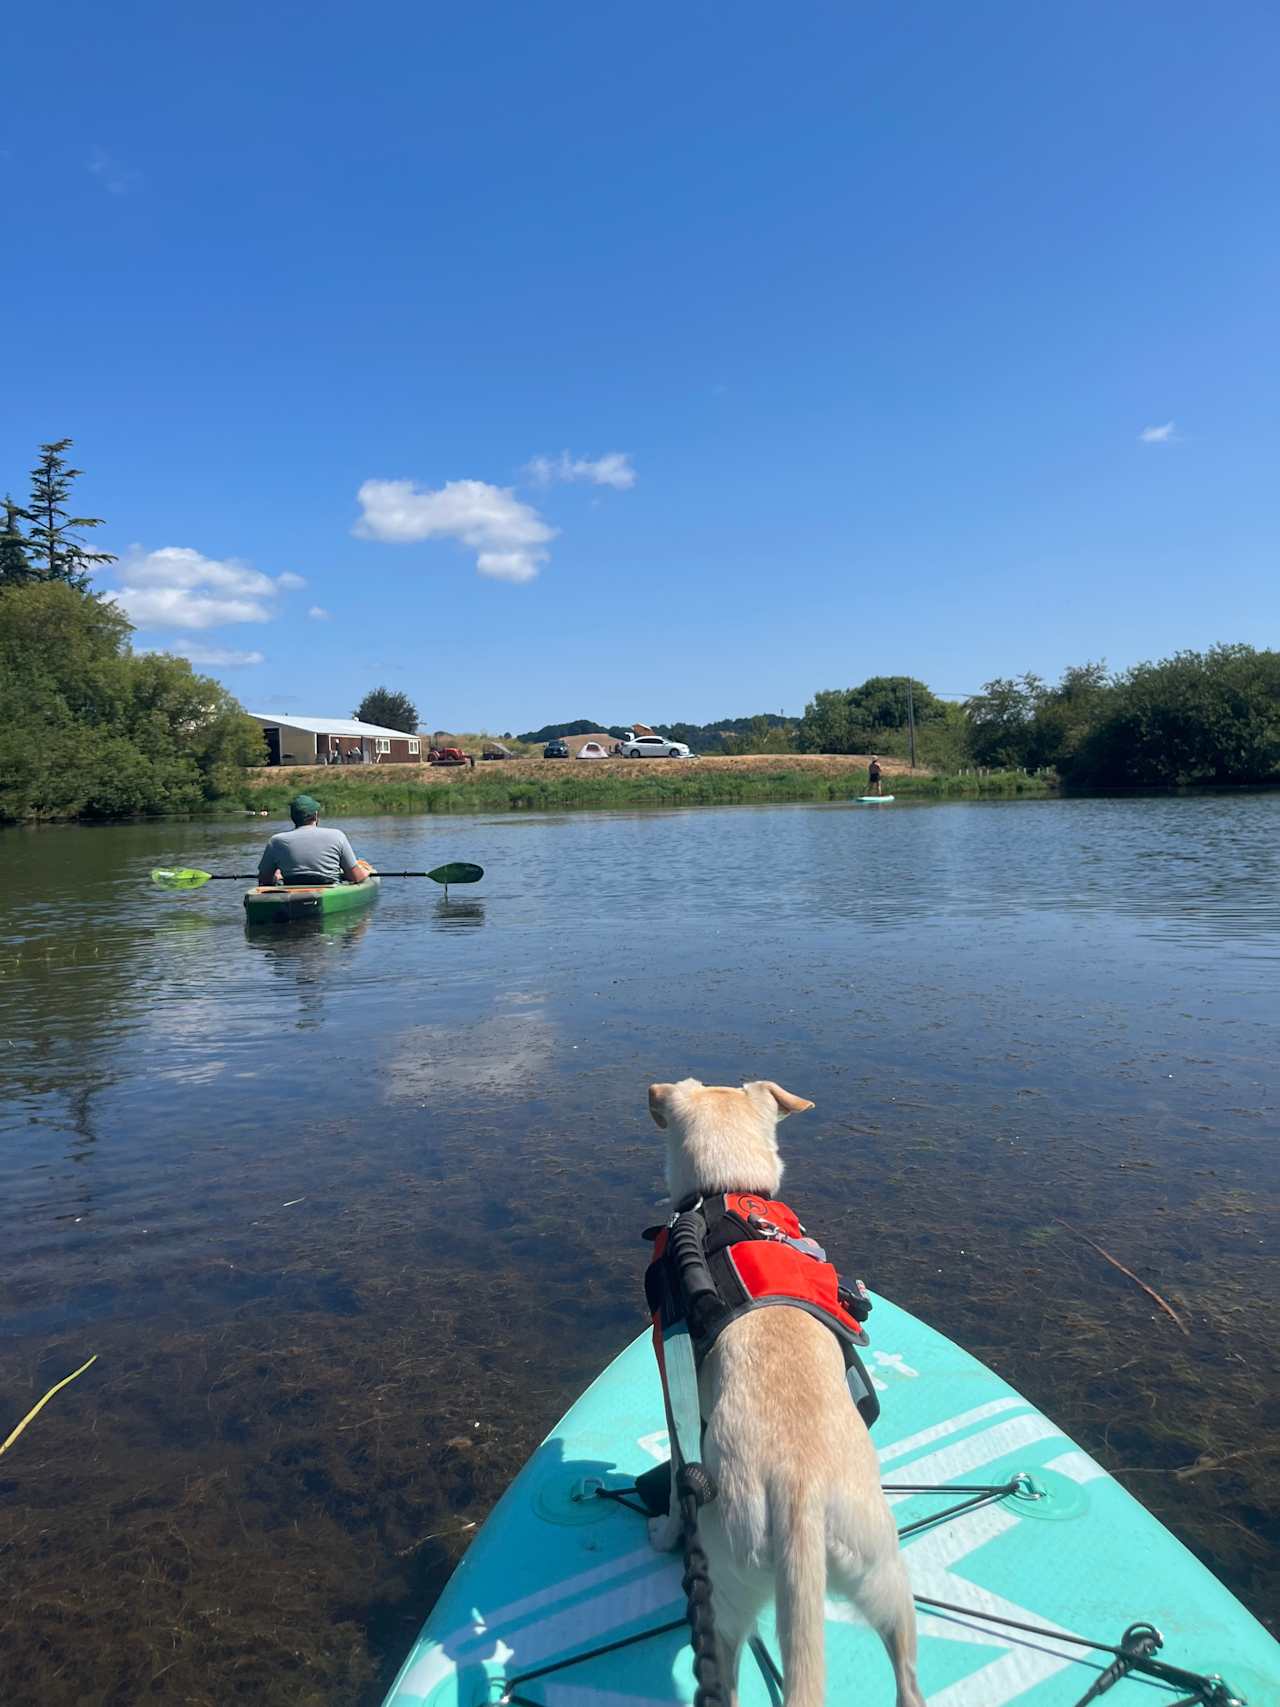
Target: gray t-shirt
{"x": 312, "y": 850}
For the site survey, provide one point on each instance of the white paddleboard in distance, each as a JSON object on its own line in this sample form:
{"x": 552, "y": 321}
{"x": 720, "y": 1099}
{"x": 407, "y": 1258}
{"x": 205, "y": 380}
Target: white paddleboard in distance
{"x": 874, "y": 800}
{"x": 556, "y": 1572}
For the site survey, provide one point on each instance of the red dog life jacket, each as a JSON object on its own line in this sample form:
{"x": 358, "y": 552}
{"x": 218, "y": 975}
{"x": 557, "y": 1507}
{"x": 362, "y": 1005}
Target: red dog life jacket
{"x": 723, "y": 1256}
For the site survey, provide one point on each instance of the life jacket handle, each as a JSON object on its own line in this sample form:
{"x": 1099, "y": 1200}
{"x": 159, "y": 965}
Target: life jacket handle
{"x": 686, "y": 1241}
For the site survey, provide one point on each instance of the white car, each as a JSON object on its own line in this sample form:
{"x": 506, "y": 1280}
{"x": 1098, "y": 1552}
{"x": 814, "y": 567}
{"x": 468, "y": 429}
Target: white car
{"x": 591, "y": 750}
{"x": 652, "y": 747}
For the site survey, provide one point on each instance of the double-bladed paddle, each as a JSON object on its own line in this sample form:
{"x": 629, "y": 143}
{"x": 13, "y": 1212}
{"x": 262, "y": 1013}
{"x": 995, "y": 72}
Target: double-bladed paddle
{"x": 184, "y": 877}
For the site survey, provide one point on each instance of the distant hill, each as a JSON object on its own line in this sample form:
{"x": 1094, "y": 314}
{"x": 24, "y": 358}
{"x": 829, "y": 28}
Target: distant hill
{"x": 700, "y": 737}
{"x": 582, "y": 726}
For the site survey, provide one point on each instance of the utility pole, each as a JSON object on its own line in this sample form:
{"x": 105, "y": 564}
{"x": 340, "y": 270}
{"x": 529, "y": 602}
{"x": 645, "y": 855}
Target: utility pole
{"x": 911, "y": 721}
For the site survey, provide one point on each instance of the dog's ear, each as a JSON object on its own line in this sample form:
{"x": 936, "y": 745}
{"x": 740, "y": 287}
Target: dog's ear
{"x": 658, "y": 1095}
{"x": 783, "y": 1101}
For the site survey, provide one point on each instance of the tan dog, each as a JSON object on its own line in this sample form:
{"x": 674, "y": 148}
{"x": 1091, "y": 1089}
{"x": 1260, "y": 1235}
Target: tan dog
{"x": 799, "y": 1504}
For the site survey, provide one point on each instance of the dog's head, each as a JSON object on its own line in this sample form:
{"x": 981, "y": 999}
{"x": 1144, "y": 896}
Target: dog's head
{"x": 721, "y": 1138}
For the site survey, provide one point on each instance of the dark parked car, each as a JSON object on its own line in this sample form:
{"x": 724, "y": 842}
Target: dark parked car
{"x": 555, "y": 750}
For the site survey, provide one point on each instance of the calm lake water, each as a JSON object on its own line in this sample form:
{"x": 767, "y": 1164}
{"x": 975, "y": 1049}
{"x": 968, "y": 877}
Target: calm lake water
{"x": 349, "y": 1215}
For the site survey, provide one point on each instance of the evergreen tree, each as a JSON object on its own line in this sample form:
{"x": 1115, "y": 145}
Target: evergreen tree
{"x": 57, "y": 554}
{"x": 15, "y": 566}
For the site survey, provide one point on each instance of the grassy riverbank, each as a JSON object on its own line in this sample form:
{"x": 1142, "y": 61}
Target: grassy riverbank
{"x": 548, "y": 785}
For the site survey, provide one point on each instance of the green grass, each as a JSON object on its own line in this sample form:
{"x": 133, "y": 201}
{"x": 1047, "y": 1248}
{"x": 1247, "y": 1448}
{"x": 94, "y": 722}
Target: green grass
{"x": 488, "y": 790}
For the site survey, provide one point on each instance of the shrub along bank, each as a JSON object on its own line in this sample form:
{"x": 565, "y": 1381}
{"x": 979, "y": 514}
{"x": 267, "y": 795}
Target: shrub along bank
{"x": 548, "y": 785}
{"x": 88, "y": 729}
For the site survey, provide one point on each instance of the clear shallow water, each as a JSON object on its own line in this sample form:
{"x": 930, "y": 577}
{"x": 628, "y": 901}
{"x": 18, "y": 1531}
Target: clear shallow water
{"x": 350, "y": 1214}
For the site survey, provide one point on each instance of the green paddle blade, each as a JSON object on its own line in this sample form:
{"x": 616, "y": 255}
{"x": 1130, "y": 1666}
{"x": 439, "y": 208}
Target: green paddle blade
{"x": 457, "y": 873}
{"x": 181, "y": 878}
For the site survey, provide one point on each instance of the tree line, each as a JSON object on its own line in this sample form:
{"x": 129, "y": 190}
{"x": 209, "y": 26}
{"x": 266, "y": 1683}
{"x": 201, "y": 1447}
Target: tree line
{"x": 730, "y": 734}
{"x": 88, "y": 727}
{"x": 1197, "y": 717}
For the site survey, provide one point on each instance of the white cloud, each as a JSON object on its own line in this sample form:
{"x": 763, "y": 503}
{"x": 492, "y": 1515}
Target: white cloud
{"x": 177, "y": 587}
{"x": 114, "y": 176}
{"x": 226, "y": 656}
{"x": 507, "y": 534}
{"x": 613, "y": 469}
{"x": 290, "y": 582}
{"x": 1158, "y": 435}
{"x": 318, "y": 613}
{"x": 513, "y": 566}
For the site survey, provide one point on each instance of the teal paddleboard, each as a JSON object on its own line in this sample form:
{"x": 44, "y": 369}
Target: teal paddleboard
{"x": 875, "y": 800}
{"x": 556, "y": 1572}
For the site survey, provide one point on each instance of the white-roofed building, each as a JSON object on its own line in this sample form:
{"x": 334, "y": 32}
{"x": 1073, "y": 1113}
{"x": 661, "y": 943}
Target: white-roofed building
{"x": 295, "y": 740}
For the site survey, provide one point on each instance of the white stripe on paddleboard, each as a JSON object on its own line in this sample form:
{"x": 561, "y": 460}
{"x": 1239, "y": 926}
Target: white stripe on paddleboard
{"x": 1078, "y": 1465}
{"x": 499, "y": 1616}
{"x": 592, "y": 1622}
{"x": 1027, "y": 1660}
{"x": 576, "y": 1627}
{"x": 968, "y": 1455}
{"x": 440, "y": 1659}
{"x": 953, "y": 1425}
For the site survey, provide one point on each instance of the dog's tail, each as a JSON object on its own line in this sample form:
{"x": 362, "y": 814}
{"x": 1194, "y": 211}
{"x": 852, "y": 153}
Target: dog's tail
{"x": 799, "y": 1532}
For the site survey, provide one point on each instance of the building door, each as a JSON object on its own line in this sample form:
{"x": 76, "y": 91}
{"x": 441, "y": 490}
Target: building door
{"x": 272, "y": 737}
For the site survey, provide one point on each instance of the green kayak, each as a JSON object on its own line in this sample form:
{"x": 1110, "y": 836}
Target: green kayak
{"x": 282, "y": 905}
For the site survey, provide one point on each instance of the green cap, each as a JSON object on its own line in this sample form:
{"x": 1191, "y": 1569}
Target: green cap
{"x": 302, "y": 807}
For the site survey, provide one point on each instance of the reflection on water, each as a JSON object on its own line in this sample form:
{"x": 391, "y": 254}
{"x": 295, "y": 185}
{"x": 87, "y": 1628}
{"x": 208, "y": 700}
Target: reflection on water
{"x": 506, "y": 1055}
{"x": 450, "y": 915}
{"x": 316, "y": 1196}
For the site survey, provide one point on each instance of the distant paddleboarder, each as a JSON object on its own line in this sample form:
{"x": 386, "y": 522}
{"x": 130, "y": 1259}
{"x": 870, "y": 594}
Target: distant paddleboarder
{"x": 873, "y": 776}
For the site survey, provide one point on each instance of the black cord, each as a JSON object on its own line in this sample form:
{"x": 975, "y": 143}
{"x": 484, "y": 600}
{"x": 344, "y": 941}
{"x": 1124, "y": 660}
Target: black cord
{"x": 591, "y": 1654}
{"x": 694, "y": 1487}
{"x": 619, "y": 1497}
{"x": 950, "y": 1511}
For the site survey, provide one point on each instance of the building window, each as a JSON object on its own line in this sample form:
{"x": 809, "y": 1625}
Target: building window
{"x": 383, "y": 744}
{"x": 413, "y": 745}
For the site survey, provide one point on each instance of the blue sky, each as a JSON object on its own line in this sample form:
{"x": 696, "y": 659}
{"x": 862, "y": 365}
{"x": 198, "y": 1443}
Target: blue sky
{"x": 652, "y": 362}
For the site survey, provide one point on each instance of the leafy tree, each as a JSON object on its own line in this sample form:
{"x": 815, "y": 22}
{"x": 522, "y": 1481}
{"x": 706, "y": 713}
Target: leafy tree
{"x": 1196, "y": 717}
{"x": 89, "y": 730}
{"x": 869, "y": 718}
{"x": 1065, "y": 716}
{"x": 1002, "y": 720}
{"x": 881, "y": 703}
{"x": 56, "y": 551}
{"x": 388, "y": 709}
{"x": 826, "y": 726}
{"x": 15, "y": 566}
{"x": 762, "y": 735}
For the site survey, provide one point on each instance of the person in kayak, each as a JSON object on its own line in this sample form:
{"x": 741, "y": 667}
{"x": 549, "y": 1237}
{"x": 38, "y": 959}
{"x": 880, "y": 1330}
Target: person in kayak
{"x": 307, "y": 854}
{"x": 873, "y": 776}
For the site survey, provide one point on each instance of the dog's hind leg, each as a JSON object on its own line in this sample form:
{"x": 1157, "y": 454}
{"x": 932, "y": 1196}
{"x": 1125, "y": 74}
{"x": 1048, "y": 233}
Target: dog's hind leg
{"x": 882, "y": 1593}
